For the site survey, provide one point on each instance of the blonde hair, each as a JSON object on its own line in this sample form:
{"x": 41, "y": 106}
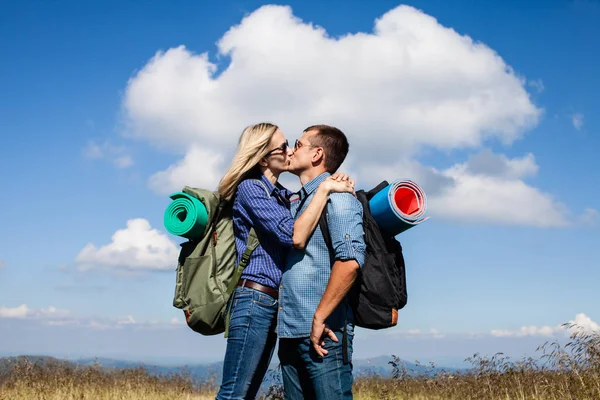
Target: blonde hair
{"x": 252, "y": 146}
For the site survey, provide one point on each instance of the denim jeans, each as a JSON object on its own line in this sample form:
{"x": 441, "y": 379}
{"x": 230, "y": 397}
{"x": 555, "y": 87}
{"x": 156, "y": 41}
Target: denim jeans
{"x": 308, "y": 376}
{"x": 250, "y": 343}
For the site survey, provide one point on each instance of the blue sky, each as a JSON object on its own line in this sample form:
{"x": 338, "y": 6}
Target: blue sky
{"x": 489, "y": 106}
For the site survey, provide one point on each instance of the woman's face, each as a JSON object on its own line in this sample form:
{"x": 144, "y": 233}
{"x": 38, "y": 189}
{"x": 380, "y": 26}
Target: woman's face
{"x": 278, "y": 156}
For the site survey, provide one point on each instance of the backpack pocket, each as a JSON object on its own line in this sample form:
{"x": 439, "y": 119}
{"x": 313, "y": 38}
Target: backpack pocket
{"x": 182, "y": 273}
{"x": 197, "y": 283}
{"x": 379, "y": 280}
{"x": 374, "y": 316}
{"x": 203, "y": 298}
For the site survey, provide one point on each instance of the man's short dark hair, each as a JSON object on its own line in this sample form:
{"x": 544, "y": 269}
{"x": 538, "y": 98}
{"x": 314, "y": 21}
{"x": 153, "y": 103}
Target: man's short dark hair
{"x": 334, "y": 144}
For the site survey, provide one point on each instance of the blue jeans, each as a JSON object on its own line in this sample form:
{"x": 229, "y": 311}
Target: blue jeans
{"x": 308, "y": 376}
{"x": 250, "y": 343}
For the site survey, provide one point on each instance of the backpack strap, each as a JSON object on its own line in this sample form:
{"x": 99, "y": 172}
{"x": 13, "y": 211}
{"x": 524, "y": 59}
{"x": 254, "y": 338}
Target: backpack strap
{"x": 264, "y": 187}
{"x": 251, "y": 245}
{"x": 325, "y": 230}
{"x": 376, "y": 189}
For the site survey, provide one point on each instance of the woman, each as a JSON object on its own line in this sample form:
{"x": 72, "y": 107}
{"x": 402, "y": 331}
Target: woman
{"x": 260, "y": 202}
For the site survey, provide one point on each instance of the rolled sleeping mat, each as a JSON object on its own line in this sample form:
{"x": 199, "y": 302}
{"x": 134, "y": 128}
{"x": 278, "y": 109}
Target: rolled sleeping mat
{"x": 186, "y": 216}
{"x": 398, "y": 207}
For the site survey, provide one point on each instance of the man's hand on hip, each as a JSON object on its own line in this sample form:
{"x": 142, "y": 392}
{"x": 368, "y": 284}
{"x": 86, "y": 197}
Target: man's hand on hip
{"x": 318, "y": 333}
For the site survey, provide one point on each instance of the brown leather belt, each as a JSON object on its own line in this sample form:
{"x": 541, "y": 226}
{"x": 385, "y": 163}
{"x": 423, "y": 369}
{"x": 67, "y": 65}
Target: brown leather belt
{"x": 261, "y": 288}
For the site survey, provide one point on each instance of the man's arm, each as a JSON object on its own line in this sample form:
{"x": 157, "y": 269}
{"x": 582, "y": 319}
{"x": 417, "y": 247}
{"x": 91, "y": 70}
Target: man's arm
{"x": 343, "y": 275}
{"x": 344, "y": 218}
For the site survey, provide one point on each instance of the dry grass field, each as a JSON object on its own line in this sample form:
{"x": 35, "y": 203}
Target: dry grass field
{"x": 569, "y": 372}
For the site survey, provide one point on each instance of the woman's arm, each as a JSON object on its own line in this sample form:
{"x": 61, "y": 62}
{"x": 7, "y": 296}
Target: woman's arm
{"x": 307, "y": 222}
{"x": 266, "y": 214}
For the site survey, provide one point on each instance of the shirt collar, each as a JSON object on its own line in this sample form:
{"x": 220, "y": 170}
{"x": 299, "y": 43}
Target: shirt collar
{"x": 270, "y": 187}
{"x": 314, "y": 183}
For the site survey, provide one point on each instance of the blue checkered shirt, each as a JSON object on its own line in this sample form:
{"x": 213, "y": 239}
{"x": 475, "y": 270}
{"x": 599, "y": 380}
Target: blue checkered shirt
{"x": 307, "y": 271}
{"x": 260, "y": 204}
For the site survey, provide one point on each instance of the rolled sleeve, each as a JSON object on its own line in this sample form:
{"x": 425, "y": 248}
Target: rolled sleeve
{"x": 267, "y": 214}
{"x": 345, "y": 222}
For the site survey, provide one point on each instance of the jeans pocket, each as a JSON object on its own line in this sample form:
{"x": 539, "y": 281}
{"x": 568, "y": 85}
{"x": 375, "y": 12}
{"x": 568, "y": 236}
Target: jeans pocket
{"x": 264, "y": 300}
{"x": 241, "y": 309}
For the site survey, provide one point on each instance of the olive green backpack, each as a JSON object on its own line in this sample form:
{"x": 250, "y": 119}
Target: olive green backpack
{"x": 207, "y": 272}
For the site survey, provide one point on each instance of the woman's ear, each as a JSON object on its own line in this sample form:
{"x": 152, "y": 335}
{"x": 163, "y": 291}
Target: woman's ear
{"x": 263, "y": 162}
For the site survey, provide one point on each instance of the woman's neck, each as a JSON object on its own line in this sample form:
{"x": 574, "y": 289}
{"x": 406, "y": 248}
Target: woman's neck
{"x": 270, "y": 175}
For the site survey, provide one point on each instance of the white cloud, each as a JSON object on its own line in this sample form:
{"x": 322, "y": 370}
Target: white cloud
{"x": 577, "y": 120}
{"x": 490, "y": 188}
{"x": 404, "y": 81}
{"x": 590, "y": 217}
{"x": 114, "y": 154}
{"x": 51, "y": 312}
{"x": 528, "y": 331}
{"x": 129, "y": 323}
{"x": 416, "y": 333}
{"x": 23, "y": 311}
{"x": 57, "y": 317}
{"x": 487, "y": 188}
{"x": 64, "y": 322}
{"x": 537, "y": 84}
{"x": 16, "y": 312}
{"x": 486, "y": 199}
{"x": 486, "y": 163}
{"x": 411, "y": 83}
{"x": 499, "y": 333}
{"x": 585, "y": 323}
{"x": 137, "y": 247}
{"x": 93, "y": 151}
{"x": 199, "y": 168}
{"x": 123, "y": 161}
{"x": 581, "y": 322}
{"x": 126, "y": 321}
{"x": 99, "y": 325}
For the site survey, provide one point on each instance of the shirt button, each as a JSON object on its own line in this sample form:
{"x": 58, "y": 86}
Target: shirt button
{"x": 280, "y": 286}
{"x": 347, "y": 236}
{"x": 281, "y": 308}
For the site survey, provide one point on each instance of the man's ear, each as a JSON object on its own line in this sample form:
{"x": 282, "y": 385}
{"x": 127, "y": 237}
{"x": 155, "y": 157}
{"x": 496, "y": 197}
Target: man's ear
{"x": 319, "y": 155}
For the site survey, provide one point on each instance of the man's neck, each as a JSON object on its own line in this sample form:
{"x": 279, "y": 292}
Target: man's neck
{"x": 310, "y": 174}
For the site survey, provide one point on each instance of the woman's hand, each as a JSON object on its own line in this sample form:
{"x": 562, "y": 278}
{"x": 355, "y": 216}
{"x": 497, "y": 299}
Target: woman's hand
{"x": 339, "y": 183}
{"x": 340, "y": 176}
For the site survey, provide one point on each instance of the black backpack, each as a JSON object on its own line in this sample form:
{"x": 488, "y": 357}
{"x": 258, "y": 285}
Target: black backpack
{"x": 380, "y": 288}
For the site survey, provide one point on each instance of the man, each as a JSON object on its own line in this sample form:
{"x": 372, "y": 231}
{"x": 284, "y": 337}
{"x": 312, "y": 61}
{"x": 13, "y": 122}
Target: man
{"x": 315, "y": 323}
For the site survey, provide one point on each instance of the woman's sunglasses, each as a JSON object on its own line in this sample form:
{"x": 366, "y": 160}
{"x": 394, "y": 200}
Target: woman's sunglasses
{"x": 281, "y": 148}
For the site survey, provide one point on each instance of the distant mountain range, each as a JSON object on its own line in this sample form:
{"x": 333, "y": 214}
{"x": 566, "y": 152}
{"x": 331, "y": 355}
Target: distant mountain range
{"x": 379, "y": 366}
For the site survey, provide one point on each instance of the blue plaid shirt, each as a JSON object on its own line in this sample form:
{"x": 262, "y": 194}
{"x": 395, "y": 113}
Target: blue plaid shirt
{"x": 260, "y": 204}
{"x": 307, "y": 271}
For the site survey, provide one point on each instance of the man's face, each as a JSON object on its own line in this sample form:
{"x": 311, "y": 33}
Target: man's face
{"x": 304, "y": 153}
